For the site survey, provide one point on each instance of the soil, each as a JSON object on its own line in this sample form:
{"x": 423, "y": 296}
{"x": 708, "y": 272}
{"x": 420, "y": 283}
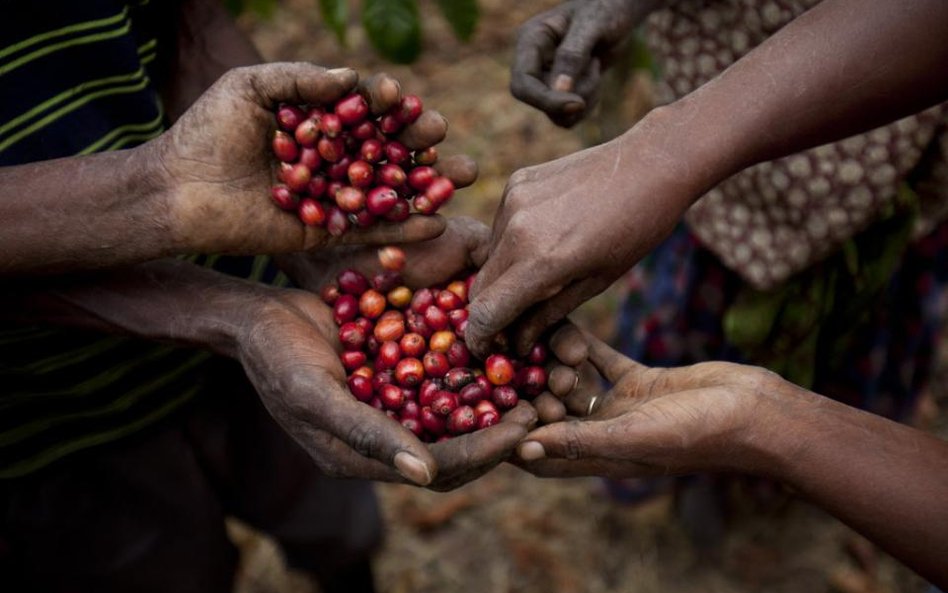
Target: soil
{"x": 508, "y": 531}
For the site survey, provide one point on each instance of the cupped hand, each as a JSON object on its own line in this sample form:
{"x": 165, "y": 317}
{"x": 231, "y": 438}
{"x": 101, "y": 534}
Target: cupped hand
{"x": 561, "y": 53}
{"x": 655, "y": 421}
{"x": 289, "y": 351}
{"x": 217, "y": 164}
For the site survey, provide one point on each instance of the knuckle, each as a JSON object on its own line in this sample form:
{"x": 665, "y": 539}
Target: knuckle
{"x": 573, "y": 447}
{"x": 364, "y": 439}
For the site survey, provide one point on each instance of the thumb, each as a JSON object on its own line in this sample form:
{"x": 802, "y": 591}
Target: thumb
{"x": 573, "y": 55}
{"x": 295, "y": 82}
{"x": 611, "y": 364}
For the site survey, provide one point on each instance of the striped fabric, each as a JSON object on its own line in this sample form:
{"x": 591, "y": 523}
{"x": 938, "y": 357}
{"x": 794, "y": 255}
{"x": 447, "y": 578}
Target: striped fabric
{"x": 75, "y": 79}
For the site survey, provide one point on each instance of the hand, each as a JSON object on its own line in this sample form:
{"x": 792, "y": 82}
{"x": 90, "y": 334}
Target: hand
{"x": 567, "y": 229}
{"x": 561, "y": 52}
{"x": 462, "y": 247}
{"x": 217, "y": 162}
{"x": 656, "y": 421}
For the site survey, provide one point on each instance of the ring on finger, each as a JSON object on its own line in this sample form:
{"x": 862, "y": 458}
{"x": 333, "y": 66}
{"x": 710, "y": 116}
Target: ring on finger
{"x": 592, "y": 405}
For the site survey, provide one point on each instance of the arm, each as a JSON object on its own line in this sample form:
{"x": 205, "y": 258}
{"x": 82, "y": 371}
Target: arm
{"x": 843, "y": 67}
{"x": 201, "y": 187}
{"x": 885, "y": 480}
{"x": 284, "y": 339}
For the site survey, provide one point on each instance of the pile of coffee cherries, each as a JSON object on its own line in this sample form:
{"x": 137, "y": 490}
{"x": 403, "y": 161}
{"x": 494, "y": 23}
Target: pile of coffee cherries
{"x": 339, "y": 166}
{"x": 404, "y": 353}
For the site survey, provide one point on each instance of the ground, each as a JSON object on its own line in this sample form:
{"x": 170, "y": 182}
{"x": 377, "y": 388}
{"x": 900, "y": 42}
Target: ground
{"x": 510, "y": 532}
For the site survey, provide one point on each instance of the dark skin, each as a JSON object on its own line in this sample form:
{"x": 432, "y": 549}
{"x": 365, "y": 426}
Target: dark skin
{"x": 886, "y": 480}
{"x": 567, "y": 229}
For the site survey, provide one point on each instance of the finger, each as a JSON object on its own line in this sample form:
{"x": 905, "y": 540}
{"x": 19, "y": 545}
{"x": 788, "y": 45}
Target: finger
{"x": 567, "y": 468}
{"x": 575, "y": 439}
{"x": 468, "y": 456}
{"x": 372, "y": 434}
{"x": 569, "y": 345}
{"x": 429, "y": 129}
{"x": 526, "y": 81}
{"x": 548, "y": 312}
{"x": 574, "y": 53}
{"x": 589, "y": 391}
{"x": 549, "y": 408}
{"x": 459, "y": 168}
{"x": 295, "y": 82}
{"x": 610, "y": 363}
{"x": 417, "y": 228}
{"x": 562, "y": 380}
{"x": 500, "y": 302}
{"x": 523, "y": 414}
{"x": 336, "y": 459}
{"x": 381, "y": 92}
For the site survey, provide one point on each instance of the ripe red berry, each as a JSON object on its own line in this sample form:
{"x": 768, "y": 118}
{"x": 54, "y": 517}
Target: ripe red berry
{"x": 538, "y": 354}
{"x": 360, "y": 387}
{"x": 352, "y": 109}
{"x": 472, "y": 393}
{"x": 459, "y": 288}
{"x": 297, "y": 177}
{"x": 285, "y": 147}
{"x": 436, "y": 364}
{"x": 337, "y": 222}
{"x": 428, "y": 390}
{"x": 339, "y": 170}
{"x": 448, "y": 301}
{"x": 425, "y": 205}
{"x": 364, "y": 371}
{"x": 352, "y": 359}
{"x": 399, "y": 212}
{"x": 351, "y": 335}
{"x": 395, "y": 152}
{"x": 307, "y": 133}
{"x": 412, "y": 345}
{"x": 362, "y": 219}
{"x": 399, "y": 297}
{"x": 380, "y": 200}
{"x": 392, "y": 175}
{"x": 392, "y": 397}
{"x": 389, "y": 355}
{"x": 350, "y": 199}
{"x": 498, "y": 369}
{"x": 386, "y": 280}
{"x": 422, "y": 299}
{"x": 361, "y": 174}
{"x": 409, "y": 372}
{"x": 372, "y": 304}
{"x": 504, "y": 397}
{"x": 331, "y": 125}
{"x": 310, "y": 157}
{"x": 462, "y": 420}
{"x": 458, "y": 354}
{"x": 389, "y": 330}
{"x": 409, "y": 109}
{"x": 435, "y": 318}
{"x": 330, "y": 294}
{"x": 283, "y": 197}
{"x": 432, "y": 422}
{"x": 444, "y": 403}
{"x": 390, "y": 124}
{"x": 382, "y": 378}
{"x": 440, "y": 190}
{"x": 458, "y": 378}
{"x": 311, "y": 212}
{"x": 317, "y": 186}
{"x": 457, "y": 317}
{"x": 421, "y": 177}
{"x": 331, "y": 149}
{"x": 364, "y": 131}
{"x": 428, "y": 156}
{"x": 442, "y": 341}
{"x": 289, "y": 116}
{"x": 485, "y": 407}
{"x": 371, "y": 150}
{"x": 392, "y": 258}
{"x": 345, "y": 309}
{"x": 416, "y": 323}
{"x": 352, "y": 282}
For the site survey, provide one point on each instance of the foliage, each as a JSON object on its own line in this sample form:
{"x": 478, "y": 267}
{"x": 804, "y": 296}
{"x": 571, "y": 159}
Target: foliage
{"x": 394, "y": 27}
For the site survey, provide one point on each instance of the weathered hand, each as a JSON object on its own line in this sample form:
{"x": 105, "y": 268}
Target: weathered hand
{"x": 217, "y": 161}
{"x": 561, "y": 52}
{"x": 655, "y": 421}
{"x": 288, "y": 348}
{"x": 567, "y": 229}
{"x": 462, "y": 247}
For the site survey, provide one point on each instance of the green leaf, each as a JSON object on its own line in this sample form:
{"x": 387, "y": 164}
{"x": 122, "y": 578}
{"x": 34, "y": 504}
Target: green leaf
{"x": 393, "y": 28}
{"x": 336, "y": 16}
{"x": 462, "y": 15}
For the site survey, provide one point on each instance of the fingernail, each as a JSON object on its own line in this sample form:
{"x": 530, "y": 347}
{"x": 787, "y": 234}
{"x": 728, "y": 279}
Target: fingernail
{"x": 340, "y": 72}
{"x": 531, "y": 451}
{"x": 563, "y": 83}
{"x": 412, "y": 468}
{"x": 572, "y": 107}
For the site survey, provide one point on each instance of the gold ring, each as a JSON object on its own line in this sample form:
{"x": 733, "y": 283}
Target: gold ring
{"x": 592, "y": 404}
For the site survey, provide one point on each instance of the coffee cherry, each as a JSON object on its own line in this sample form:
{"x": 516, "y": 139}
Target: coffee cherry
{"x": 331, "y": 125}
{"x": 364, "y": 371}
{"x": 330, "y": 293}
{"x": 416, "y": 323}
{"x": 352, "y": 359}
{"x": 389, "y": 330}
{"x": 386, "y": 281}
{"x": 396, "y": 153}
{"x": 360, "y": 387}
{"x": 351, "y": 109}
{"x": 371, "y": 150}
{"x": 352, "y": 282}
{"x": 457, "y": 317}
{"x": 391, "y": 175}
{"x": 307, "y": 133}
{"x": 459, "y": 288}
{"x": 289, "y": 116}
{"x": 310, "y": 158}
{"x": 413, "y": 425}
{"x": 436, "y": 364}
{"x": 392, "y": 397}
{"x": 412, "y": 345}
{"x": 462, "y": 420}
{"x": 425, "y": 205}
{"x": 392, "y": 258}
{"x": 372, "y": 304}
{"x": 399, "y": 212}
{"x": 389, "y": 355}
{"x": 390, "y": 124}
{"x": 435, "y": 318}
{"x": 458, "y": 354}
{"x": 472, "y": 393}
{"x": 432, "y": 422}
{"x": 458, "y": 378}
{"x": 339, "y": 170}
{"x": 351, "y": 336}
{"x": 365, "y": 131}
{"x": 409, "y": 109}
{"x": 283, "y": 197}
{"x": 297, "y": 177}
{"x": 428, "y": 390}
{"x": 380, "y": 200}
{"x": 409, "y": 372}
{"x": 422, "y": 299}
{"x": 331, "y": 149}
{"x": 441, "y": 341}
{"x": 400, "y": 297}
{"x": 361, "y": 174}
{"x": 428, "y": 156}
{"x": 532, "y": 380}
{"x": 311, "y": 212}
{"x": 421, "y": 177}
{"x": 440, "y": 190}
{"x": 538, "y": 354}
{"x": 448, "y": 301}
{"x": 504, "y": 397}
{"x": 382, "y": 378}
{"x": 345, "y": 309}
{"x": 444, "y": 403}
{"x": 487, "y": 419}
{"x": 499, "y": 369}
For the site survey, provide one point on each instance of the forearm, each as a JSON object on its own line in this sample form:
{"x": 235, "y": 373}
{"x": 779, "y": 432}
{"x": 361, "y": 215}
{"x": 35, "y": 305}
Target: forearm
{"x": 84, "y": 212}
{"x": 845, "y": 66}
{"x": 886, "y": 480}
{"x": 206, "y": 43}
{"x": 168, "y": 300}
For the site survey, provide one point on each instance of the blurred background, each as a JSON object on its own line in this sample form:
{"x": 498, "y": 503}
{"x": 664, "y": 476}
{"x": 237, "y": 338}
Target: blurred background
{"x": 510, "y": 532}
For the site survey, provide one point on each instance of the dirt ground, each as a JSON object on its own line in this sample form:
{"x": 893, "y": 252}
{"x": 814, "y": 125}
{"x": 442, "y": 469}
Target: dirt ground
{"x": 510, "y": 532}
